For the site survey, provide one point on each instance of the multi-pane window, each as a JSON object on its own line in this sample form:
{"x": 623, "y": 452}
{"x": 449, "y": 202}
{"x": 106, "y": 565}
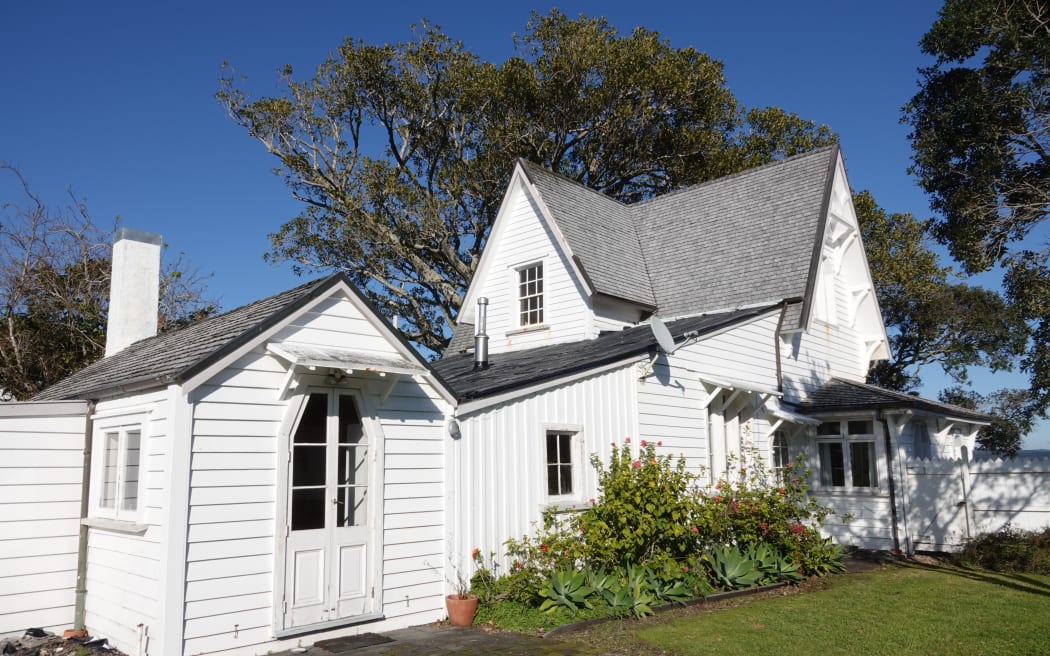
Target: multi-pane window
{"x": 530, "y": 295}
{"x": 847, "y": 454}
{"x": 559, "y": 463}
{"x": 121, "y": 452}
{"x": 780, "y": 453}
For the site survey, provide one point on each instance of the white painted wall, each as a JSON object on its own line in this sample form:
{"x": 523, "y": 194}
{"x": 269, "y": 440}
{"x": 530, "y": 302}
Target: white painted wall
{"x": 671, "y": 397}
{"x": 41, "y": 457}
{"x": 496, "y": 477}
{"x": 125, "y": 570}
{"x": 525, "y": 239}
{"x": 230, "y": 592}
{"x": 811, "y": 358}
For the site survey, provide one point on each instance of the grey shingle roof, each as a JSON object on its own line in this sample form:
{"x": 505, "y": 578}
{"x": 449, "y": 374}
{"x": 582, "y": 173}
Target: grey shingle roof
{"x": 600, "y": 232}
{"x": 844, "y": 395}
{"x": 519, "y": 369}
{"x": 741, "y": 240}
{"x": 174, "y": 356}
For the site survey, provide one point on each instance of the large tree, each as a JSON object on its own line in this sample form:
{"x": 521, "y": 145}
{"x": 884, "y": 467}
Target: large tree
{"x": 400, "y": 153}
{"x": 54, "y": 290}
{"x": 981, "y": 150}
{"x": 932, "y": 315}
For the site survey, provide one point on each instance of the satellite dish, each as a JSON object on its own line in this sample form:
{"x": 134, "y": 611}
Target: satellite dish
{"x": 662, "y": 335}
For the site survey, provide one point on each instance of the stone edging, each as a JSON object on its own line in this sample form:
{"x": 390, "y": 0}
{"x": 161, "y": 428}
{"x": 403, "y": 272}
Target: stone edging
{"x": 720, "y": 596}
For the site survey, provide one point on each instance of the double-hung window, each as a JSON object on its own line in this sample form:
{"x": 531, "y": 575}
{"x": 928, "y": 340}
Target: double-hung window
{"x": 847, "y": 454}
{"x": 530, "y": 295}
{"x": 118, "y": 479}
{"x": 560, "y": 463}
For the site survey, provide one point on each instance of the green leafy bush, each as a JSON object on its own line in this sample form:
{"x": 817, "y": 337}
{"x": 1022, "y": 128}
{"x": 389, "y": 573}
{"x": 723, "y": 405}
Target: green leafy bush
{"x": 645, "y": 509}
{"x": 755, "y": 505}
{"x": 1010, "y": 550}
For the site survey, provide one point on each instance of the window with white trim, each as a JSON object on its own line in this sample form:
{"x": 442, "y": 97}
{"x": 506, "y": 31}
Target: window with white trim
{"x": 560, "y": 465}
{"x": 530, "y": 295}
{"x": 780, "y": 450}
{"x": 119, "y": 479}
{"x": 846, "y": 451}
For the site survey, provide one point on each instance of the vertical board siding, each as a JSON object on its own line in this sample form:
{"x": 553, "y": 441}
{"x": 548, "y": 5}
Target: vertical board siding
{"x": 39, "y": 519}
{"x": 951, "y": 501}
{"x": 497, "y": 467}
{"x": 236, "y": 452}
{"x": 527, "y": 239}
{"x": 124, "y": 570}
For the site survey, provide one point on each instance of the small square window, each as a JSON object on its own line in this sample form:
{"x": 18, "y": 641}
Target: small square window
{"x": 860, "y": 428}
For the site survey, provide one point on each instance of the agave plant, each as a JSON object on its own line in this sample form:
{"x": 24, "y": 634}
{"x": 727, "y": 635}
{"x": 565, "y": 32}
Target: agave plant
{"x": 773, "y": 566}
{"x": 566, "y": 589}
{"x": 732, "y": 568}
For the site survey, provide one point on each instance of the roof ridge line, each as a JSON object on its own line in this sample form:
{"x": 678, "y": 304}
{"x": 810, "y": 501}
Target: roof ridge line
{"x": 737, "y": 174}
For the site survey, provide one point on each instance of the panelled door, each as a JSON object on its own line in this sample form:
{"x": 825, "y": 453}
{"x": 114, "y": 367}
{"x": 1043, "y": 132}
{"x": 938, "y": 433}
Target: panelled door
{"x": 328, "y": 549}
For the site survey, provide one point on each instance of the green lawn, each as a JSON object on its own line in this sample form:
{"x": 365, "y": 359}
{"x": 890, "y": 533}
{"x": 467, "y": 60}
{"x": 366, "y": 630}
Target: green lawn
{"x": 897, "y": 610}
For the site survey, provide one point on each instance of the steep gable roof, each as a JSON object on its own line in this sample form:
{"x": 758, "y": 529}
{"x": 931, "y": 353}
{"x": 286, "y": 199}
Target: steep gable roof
{"x": 745, "y": 239}
{"x": 843, "y": 395}
{"x": 178, "y": 355}
{"x": 516, "y": 370}
{"x": 601, "y": 233}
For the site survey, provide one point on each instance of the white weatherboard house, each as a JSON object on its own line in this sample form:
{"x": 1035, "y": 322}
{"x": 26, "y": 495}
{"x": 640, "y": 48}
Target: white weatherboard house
{"x": 292, "y": 471}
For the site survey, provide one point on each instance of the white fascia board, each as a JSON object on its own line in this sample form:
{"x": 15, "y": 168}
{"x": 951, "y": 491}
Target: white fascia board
{"x": 469, "y": 407}
{"x": 43, "y": 408}
{"x": 466, "y": 309}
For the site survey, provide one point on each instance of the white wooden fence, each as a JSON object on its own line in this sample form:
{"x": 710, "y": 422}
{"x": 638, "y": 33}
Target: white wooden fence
{"x": 947, "y": 502}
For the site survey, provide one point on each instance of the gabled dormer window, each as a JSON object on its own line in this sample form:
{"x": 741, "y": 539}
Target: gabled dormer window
{"x": 530, "y": 295}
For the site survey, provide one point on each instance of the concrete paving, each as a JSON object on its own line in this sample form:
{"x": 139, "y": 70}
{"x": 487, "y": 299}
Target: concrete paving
{"x": 439, "y": 640}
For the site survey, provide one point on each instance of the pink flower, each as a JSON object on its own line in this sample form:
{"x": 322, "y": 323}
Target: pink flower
{"x": 475, "y": 553}
{"x": 643, "y": 443}
{"x": 592, "y": 500}
{"x": 626, "y": 440}
{"x": 659, "y": 443}
{"x": 694, "y": 529}
{"x": 782, "y": 491}
{"x": 685, "y": 568}
{"x": 718, "y": 486}
{"x": 543, "y": 548}
{"x": 636, "y": 464}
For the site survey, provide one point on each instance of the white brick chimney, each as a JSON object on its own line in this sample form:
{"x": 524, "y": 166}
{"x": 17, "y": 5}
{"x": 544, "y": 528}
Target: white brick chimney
{"x": 134, "y": 290}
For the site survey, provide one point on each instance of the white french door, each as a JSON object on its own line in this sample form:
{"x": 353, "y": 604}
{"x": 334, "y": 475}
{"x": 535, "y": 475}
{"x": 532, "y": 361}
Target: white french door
{"x": 328, "y": 552}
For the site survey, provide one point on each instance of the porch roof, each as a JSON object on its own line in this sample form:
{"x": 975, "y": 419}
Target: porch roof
{"x": 844, "y": 395}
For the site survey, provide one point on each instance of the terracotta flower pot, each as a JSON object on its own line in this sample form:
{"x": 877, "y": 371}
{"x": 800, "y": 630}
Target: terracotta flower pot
{"x": 461, "y": 609}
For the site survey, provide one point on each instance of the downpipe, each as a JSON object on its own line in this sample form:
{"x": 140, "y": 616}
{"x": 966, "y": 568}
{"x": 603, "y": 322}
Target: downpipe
{"x": 82, "y": 536}
{"x": 889, "y": 476}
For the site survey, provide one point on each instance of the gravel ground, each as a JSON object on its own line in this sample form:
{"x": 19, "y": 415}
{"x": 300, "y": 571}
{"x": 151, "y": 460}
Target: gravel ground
{"x": 29, "y": 645}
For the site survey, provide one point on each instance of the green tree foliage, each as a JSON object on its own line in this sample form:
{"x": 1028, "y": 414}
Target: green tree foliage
{"x": 980, "y": 135}
{"x": 400, "y": 153}
{"x": 1012, "y": 412}
{"x": 981, "y": 150}
{"x": 54, "y": 290}
{"x": 933, "y": 317}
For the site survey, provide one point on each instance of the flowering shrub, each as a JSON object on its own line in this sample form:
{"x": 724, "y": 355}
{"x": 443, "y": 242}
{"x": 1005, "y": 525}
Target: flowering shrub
{"x": 759, "y": 506}
{"x": 645, "y": 510}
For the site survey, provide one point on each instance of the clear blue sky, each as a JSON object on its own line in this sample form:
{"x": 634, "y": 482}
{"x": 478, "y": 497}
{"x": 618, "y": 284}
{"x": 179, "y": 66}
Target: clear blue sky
{"x": 115, "y": 100}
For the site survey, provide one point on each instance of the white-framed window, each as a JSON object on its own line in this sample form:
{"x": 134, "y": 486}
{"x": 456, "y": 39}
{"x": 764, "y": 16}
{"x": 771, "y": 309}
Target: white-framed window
{"x": 530, "y": 295}
{"x": 118, "y": 479}
{"x": 561, "y": 463}
{"x": 923, "y": 447}
{"x": 780, "y": 450}
{"x": 846, "y": 450}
